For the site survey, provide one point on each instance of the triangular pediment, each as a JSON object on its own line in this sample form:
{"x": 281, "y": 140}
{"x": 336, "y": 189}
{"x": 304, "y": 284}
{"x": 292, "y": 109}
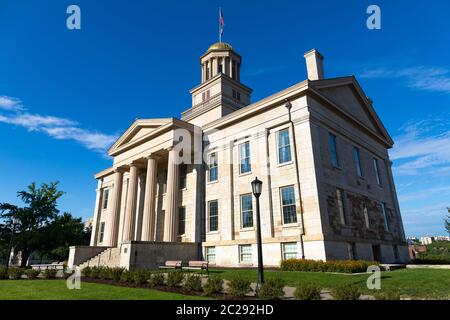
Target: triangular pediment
{"x": 138, "y": 130}
{"x": 348, "y": 95}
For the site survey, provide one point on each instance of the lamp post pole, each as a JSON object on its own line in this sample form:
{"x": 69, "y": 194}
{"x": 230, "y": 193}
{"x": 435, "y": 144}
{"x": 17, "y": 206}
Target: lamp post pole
{"x": 257, "y": 186}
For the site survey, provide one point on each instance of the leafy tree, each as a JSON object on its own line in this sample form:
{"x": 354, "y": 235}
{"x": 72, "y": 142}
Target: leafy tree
{"x": 447, "y": 221}
{"x": 64, "y": 232}
{"x": 38, "y": 226}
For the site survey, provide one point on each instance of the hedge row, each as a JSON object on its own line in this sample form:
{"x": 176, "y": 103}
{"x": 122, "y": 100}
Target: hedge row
{"x": 31, "y": 274}
{"x": 238, "y": 287}
{"x": 346, "y": 266}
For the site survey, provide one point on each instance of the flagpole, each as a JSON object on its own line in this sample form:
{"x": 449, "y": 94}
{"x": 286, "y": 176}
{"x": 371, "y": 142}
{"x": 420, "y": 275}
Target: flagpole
{"x": 220, "y": 27}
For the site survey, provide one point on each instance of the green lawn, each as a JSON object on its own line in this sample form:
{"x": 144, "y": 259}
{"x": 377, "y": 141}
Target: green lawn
{"x": 415, "y": 283}
{"x": 57, "y": 290}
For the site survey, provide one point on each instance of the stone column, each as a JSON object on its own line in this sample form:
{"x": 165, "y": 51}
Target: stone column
{"x": 148, "y": 220}
{"x": 97, "y": 213}
{"x": 114, "y": 214}
{"x": 130, "y": 212}
{"x": 231, "y": 68}
{"x": 170, "y": 230}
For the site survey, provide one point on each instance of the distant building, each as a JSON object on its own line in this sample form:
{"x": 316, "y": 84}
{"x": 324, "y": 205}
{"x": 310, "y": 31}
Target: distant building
{"x": 88, "y": 224}
{"x": 427, "y": 240}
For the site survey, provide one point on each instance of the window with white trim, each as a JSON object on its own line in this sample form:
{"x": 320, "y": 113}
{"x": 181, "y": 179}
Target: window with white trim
{"x": 284, "y": 146}
{"x": 247, "y": 211}
{"x": 211, "y": 254}
{"x": 357, "y": 158}
{"x": 376, "y": 167}
{"x": 105, "y": 198}
{"x": 101, "y": 233}
{"x": 213, "y": 169}
{"x": 245, "y": 253}
{"x": 213, "y": 215}
{"x": 289, "y": 250}
{"x": 244, "y": 157}
{"x": 288, "y": 205}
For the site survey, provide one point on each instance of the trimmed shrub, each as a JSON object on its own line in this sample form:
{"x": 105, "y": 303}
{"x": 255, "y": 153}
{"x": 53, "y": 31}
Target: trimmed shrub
{"x": 238, "y": 287}
{"x": 175, "y": 278}
{"x": 346, "y": 292}
{"x": 156, "y": 279}
{"x": 193, "y": 282}
{"x": 15, "y": 273}
{"x": 347, "y": 266}
{"x": 103, "y": 273}
{"x": 86, "y": 272}
{"x": 140, "y": 276}
{"x": 126, "y": 276}
{"x": 3, "y": 273}
{"x": 115, "y": 273}
{"x": 95, "y": 273}
{"x": 213, "y": 285}
{"x": 50, "y": 273}
{"x": 387, "y": 295}
{"x": 307, "y": 291}
{"x": 272, "y": 289}
{"x": 32, "y": 273}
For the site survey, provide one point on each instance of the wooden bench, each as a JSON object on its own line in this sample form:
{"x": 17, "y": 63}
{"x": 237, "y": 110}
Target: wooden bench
{"x": 172, "y": 264}
{"x": 198, "y": 265}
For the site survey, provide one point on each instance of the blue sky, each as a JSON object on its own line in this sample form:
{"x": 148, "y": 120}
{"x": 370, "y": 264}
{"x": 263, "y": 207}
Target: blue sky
{"x": 65, "y": 95}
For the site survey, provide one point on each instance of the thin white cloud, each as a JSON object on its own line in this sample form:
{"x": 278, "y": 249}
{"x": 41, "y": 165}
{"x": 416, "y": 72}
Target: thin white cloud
{"x": 423, "y": 145}
{"x": 10, "y": 103}
{"x": 59, "y": 128}
{"x": 422, "y": 78}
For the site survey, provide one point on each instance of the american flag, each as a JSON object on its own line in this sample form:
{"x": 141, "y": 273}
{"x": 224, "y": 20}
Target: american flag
{"x": 221, "y": 21}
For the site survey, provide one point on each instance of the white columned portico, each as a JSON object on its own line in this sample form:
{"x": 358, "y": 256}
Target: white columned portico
{"x": 130, "y": 212}
{"x": 148, "y": 220}
{"x": 113, "y": 220}
{"x": 170, "y": 230}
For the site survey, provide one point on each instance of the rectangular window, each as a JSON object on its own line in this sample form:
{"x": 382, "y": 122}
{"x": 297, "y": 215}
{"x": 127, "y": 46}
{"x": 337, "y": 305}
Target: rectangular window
{"x": 211, "y": 254}
{"x": 385, "y": 218}
{"x": 213, "y": 216}
{"x": 105, "y": 198}
{"x": 357, "y": 161}
{"x": 213, "y": 170}
{"x": 101, "y": 234}
{"x": 289, "y": 250}
{"x": 244, "y": 157}
{"x": 181, "y": 220}
{"x": 234, "y": 94}
{"x": 377, "y": 170}
{"x": 288, "y": 205}
{"x": 366, "y": 216}
{"x": 245, "y": 253}
{"x": 340, "y": 205}
{"x": 247, "y": 211}
{"x": 284, "y": 146}
{"x": 333, "y": 149}
{"x": 183, "y": 173}
{"x": 238, "y": 96}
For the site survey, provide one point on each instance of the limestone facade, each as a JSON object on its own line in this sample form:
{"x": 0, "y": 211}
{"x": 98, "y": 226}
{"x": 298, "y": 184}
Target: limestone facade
{"x": 318, "y": 146}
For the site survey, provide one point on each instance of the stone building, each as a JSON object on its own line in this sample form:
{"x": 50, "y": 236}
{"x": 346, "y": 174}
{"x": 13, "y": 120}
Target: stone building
{"x": 180, "y": 189}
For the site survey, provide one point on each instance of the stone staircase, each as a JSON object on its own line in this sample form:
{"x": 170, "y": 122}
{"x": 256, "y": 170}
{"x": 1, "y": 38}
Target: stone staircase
{"x": 109, "y": 257}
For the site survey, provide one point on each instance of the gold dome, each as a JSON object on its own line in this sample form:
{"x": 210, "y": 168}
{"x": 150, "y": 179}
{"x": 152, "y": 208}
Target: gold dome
{"x": 220, "y": 46}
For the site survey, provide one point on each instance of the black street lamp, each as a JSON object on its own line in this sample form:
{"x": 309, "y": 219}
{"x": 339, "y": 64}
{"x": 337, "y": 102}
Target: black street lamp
{"x": 257, "y": 188}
